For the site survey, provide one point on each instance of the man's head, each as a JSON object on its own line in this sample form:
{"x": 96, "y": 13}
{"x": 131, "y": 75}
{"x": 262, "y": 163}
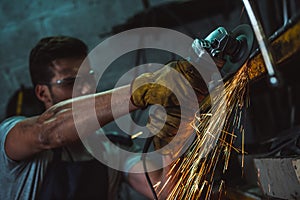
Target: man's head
{"x": 54, "y": 63}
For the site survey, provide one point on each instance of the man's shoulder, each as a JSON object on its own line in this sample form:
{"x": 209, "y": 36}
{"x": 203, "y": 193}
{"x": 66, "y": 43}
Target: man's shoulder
{"x": 8, "y": 123}
{"x": 11, "y": 120}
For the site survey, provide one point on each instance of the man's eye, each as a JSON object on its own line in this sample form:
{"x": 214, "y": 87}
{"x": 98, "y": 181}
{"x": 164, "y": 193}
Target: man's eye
{"x": 67, "y": 81}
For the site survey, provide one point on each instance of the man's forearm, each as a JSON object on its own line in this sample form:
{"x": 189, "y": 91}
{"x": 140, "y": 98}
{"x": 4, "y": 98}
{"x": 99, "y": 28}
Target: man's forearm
{"x": 90, "y": 111}
{"x": 59, "y": 125}
{"x": 117, "y": 103}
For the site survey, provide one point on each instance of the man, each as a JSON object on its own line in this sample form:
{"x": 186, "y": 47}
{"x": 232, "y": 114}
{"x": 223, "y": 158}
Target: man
{"x": 30, "y": 146}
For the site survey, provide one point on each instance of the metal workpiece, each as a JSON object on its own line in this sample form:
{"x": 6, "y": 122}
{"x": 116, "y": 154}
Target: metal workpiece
{"x": 285, "y": 42}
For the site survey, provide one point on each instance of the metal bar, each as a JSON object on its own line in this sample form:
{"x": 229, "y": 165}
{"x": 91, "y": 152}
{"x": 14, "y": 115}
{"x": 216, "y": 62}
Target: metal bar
{"x": 286, "y": 11}
{"x": 263, "y": 43}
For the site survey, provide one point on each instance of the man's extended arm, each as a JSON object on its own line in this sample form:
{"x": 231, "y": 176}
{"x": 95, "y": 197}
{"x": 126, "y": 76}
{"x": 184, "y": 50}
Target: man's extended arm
{"x": 56, "y": 126}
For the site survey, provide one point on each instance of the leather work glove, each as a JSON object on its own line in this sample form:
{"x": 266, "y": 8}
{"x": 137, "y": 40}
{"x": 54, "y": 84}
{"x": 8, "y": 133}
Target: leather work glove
{"x": 171, "y": 123}
{"x": 175, "y": 83}
{"x": 179, "y": 88}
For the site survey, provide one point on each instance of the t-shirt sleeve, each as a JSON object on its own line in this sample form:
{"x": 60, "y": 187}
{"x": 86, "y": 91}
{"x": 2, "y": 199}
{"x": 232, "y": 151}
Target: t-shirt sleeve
{"x": 5, "y": 127}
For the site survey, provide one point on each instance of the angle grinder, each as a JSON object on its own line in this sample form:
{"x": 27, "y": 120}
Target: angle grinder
{"x": 229, "y": 49}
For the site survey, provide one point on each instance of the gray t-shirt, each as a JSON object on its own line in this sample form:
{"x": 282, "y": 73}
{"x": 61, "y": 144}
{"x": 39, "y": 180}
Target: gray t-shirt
{"x": 21, "y": 180}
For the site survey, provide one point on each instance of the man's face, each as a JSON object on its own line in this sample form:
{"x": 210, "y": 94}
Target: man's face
{"x": 66, "y": 71}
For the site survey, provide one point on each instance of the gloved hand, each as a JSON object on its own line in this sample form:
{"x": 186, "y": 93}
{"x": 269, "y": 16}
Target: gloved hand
{"x": 177, "y": 82}
{"x": 178, "y": 87}
{"x": 172, "y": 129}
{"x": 179, "y": 103}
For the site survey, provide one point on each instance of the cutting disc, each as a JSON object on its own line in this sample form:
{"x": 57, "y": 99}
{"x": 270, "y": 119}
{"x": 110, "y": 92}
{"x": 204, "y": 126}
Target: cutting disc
{"x": 244, "y": 34}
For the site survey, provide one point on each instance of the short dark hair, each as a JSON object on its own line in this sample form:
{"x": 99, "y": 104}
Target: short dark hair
{"x": 47, "y": 50}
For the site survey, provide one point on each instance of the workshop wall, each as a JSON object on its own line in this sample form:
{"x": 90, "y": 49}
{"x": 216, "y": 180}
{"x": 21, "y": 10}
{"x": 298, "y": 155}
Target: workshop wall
{"x": 23, "y": 23}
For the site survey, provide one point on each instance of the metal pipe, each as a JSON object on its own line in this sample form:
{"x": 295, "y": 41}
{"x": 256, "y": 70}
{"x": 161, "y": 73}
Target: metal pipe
{"x": 286, "y": 11}
{"x": 263, "y": 43}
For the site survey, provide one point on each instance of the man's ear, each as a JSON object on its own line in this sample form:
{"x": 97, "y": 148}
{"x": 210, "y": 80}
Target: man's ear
{"x": 43, "y": 94}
